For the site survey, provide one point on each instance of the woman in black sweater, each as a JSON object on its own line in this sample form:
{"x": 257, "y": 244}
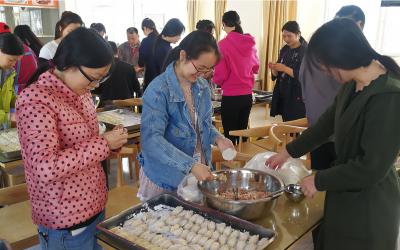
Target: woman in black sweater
{"x": 155, "y": 55}
{"x": 287, "y": 99}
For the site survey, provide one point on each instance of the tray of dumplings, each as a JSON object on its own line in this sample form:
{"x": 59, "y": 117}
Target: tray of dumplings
{"x": 10, "y": 148}
{"x": 168, "y": 222}
{"x": 129, "y": 119}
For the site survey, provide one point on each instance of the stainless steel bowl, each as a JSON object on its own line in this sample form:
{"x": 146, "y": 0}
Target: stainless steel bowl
{"x": 294, "y": 193}
{"x": 244, "y": 179}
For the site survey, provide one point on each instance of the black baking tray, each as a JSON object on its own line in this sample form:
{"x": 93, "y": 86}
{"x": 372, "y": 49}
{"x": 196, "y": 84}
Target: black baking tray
{"x": 10, "y": 156}
{"x": 127, "y": 114}
{"x": 174, "y": 201}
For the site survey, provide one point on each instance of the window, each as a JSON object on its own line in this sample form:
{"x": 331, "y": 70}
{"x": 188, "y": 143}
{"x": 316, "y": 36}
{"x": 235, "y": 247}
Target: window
{"x": 30, "y": 17}
{"x": 2, "y": 15}
{"x": 388, "y": 36}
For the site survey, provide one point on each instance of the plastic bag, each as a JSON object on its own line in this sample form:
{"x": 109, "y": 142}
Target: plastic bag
{"x": 290, "y": 173}
{"x": 189, "y": 190}
{"x": 102, "y": 128}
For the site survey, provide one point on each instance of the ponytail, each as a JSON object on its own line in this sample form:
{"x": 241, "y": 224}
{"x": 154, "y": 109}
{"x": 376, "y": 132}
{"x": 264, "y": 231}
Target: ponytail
{"x": 389, "y": 64}
{"x": 238, "y": 28}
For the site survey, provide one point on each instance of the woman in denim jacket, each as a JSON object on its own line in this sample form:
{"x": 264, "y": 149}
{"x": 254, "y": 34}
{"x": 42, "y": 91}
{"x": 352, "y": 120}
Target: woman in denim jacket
{"x": 176, "y": 128}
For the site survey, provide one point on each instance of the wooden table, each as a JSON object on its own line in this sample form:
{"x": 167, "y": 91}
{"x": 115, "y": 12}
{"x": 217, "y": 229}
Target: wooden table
{"x": 18, "y": 229}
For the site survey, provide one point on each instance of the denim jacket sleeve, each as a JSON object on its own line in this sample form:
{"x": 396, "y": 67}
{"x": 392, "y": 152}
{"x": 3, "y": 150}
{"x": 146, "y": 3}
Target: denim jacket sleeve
{"x": 154, "y": 123}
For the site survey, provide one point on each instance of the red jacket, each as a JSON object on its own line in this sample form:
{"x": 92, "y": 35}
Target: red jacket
{"x": 62, "y": 151}
{"x": 25, "y": 68}
{"x": 239, "y": 62}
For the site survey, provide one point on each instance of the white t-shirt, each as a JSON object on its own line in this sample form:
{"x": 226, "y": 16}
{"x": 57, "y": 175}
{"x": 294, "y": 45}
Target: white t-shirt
{"x": 48, "y": 50}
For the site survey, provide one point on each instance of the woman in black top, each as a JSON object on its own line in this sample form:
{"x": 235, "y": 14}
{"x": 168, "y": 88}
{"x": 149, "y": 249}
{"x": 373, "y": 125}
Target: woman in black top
{"x": 287, "y": 99}
{"x": 171, "y": 33}
{"x": 146, "y": 47}
{"x": 121, "y": 84}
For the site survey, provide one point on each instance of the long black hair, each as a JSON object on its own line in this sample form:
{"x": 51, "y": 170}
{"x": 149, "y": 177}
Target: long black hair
{"x": 82, "y": 47}
{"x": 340, "y": 43}
{"x": 10, "y": 44}
{"x": 194, "y": 44}
{"x": 27, "y": 36}
{"x": 174, "y": 27}
{"x": 148, "y": 23}
{"x": 232, "y": 19}
{"x": 293, "y": 27}
{"x": 66, "y": 19}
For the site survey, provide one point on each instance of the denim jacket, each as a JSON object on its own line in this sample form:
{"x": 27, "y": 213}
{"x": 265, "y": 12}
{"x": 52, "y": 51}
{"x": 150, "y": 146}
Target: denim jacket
{"x": 168, "y": 139}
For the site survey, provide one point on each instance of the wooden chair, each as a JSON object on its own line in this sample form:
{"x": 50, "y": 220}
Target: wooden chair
{"x": 132, "y": 103}
{"x": 129, "y": 151}
{"x": 217, "y": 159}
{"x": 282, "y": 134}
{"x": 218, "y": 123}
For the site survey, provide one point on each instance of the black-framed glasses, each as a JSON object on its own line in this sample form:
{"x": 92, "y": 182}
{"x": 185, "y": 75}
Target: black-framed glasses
{"x": 201, "y": 71}
{"x": 96, "y": 81}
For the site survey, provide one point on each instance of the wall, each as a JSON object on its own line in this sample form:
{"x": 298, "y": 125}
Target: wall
{"x": 251, "y": 15}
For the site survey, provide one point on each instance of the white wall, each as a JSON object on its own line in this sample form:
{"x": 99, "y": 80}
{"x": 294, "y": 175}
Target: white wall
{"x": 251, "y": 15}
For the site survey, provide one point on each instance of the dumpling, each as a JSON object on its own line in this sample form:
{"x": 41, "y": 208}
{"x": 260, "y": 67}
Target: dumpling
{"x": 190, "y": 236}
{"x": 196, "y": 239}
{"x": 133, "y": 222}
{"x": 138, "y": 230}
{"x": 243, "y": 236}
{"x": 222, "y": 239}
{"x": 195, "y": 247}
{"x": 208, "y": 243}
{"x": 193, "y": 218}
{"x": 251, "y": 247}
{"x": 184, "y": 233}
{"x": 179, "y": 241}
{"x": 173, "y": 220}
{"x": 199, "y": 219}
{"x": 227, "y": 231}
{"x": 177, "y": 231}
{"x": 202, "y": 240}
{"x": 158, "y": 238}
{"x": 187, "y": 214}
{"x": 235, "y": 234}
{"x": 208, "y": 234}
{"x": 224, "y": 247}
{"x": 214, "y": 246}
{"x": 263, "y": 243}
{"x": 221, "y": 227}
{"x": 188, "y": 225}
{"x": 211, "y": 225}
{"x": 183, "y": 222}
{"x": 165, "y": 244}
{"x": 195, "y": 228}
{"x": 232, "y": 241}
{"x": 203, "y": 230}
{"x": 240, "y": 245}
{"x": 253, "y": 240}
{"x": 177, "y": 210}
{"x": 215, "y": 235}
{"x": 176, "y": 247}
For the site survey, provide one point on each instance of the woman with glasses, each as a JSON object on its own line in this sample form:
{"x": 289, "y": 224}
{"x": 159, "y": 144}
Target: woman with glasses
{"x": 176, "y": 129}
{"x": 235, "y": 74}
{"x": 61, "y": 146}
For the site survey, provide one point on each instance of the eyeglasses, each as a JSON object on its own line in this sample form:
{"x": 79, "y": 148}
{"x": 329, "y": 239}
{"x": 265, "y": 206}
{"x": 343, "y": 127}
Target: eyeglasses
{"x": 202, "y": 71}
{"x": 94, "y": 81}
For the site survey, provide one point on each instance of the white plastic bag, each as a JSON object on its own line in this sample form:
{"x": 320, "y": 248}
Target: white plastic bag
{"x": 189, "y": 190}
{"x": 290, "y": 173}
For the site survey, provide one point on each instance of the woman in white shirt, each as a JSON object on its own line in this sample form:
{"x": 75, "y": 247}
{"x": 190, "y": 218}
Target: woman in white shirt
{"x": 69, "y": 21}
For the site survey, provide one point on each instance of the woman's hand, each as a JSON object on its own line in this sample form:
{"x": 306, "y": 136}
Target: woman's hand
{"x": 117, "y": 137}
{"x": 308, "y": 186}
{"x": 201, "y": 172}
{"x": 276, "y": 161}
{"x": 224, "y": 143}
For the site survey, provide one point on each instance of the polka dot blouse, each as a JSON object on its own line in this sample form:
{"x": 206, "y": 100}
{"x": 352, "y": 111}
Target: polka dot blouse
{"x": 62, "y": 151}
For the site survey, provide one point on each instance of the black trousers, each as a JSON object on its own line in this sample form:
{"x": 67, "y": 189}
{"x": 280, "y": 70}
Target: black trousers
{"x": 322, "y": 158}
{"x": 235, "y": 112}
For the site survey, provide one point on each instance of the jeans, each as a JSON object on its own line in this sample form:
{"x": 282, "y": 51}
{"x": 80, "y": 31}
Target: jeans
{"x": 52, "y": 239}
